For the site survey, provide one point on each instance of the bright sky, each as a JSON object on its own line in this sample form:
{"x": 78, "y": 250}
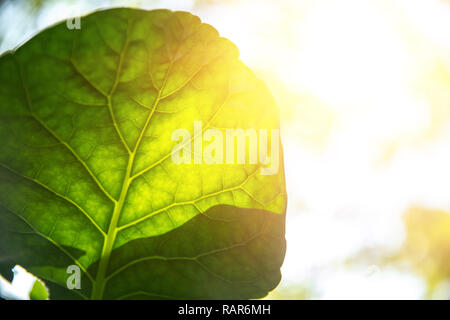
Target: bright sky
{"x": 364, "y": 90}
{"x": 364, "y": 69}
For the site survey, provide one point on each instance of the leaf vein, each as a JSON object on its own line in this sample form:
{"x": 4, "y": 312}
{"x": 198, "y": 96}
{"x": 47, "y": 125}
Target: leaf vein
{"x": 37, "y": 232}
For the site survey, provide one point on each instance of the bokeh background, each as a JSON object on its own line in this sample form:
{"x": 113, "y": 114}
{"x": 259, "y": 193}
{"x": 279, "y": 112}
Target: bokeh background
{"x": 363, "y": 88}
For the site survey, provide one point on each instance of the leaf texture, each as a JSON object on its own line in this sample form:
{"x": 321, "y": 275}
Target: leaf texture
{"x": 86, "y": 175}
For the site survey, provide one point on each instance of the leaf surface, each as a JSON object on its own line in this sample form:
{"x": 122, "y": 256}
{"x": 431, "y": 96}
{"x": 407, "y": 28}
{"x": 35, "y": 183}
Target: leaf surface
{"x": 86, "y": 175}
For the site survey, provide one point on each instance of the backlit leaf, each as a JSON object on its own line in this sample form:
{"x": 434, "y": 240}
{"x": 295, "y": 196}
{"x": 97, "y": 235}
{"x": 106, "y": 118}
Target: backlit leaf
{"x": 86, "y": 174}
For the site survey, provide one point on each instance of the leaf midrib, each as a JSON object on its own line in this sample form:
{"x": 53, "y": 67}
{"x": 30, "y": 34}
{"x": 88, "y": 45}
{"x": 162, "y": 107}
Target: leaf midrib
{"x": 100, "y": 281}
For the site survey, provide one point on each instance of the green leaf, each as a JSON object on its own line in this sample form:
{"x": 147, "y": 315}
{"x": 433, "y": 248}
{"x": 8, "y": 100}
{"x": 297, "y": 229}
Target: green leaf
{"x": 86, "y": 174}
{"x": 39, "y": 291}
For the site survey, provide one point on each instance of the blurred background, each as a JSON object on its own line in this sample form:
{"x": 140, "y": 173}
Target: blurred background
{"x": 363, "y": 88}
